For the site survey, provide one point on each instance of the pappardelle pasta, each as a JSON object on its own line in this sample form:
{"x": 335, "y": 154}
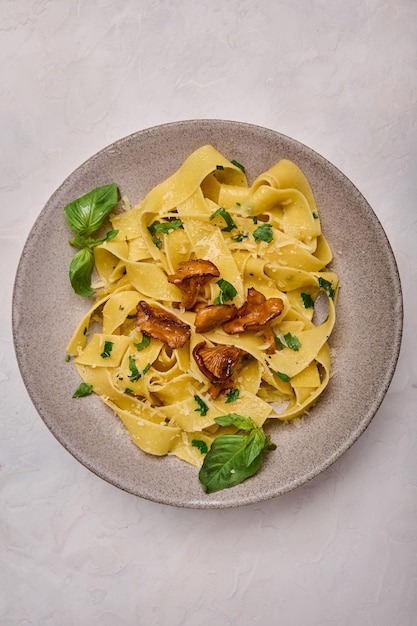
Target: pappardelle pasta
{"x": 205, "y": 306}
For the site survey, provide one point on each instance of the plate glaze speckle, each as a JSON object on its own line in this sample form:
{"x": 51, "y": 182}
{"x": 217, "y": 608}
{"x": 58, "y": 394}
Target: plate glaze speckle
{"x": 366, "y": 340}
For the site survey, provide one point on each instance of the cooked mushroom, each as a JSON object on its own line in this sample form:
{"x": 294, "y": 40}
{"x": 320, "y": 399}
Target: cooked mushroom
{"x": 217, "y": 363}
{"x": 255, "y": 313}
{"x": 212, "y": 315}
{"x": 191, "y": 276}
{"x": 162, "y": 325}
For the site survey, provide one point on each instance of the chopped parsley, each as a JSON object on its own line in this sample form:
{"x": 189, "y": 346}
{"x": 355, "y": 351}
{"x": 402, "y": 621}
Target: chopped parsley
{"x": 143, "y": 344}
{"x": 284, "y": 377}
{"x": 108, "y": 347}
{"x": 292, "y": 342}
{"x": 83, "y": 390}
{"x": 264, "y": 233}
{"x": 134, "y": 372}
{"x": 280, "y": 345}
{"x": 239, "y": 165}
{"x": 315, "y": 216}
{"x": 146, "y": 368}
{"x": 232, "y": 395}
{"x": 230, "y": 225}
{"x": 202, "y": 406}
{"x": 201, "y": 445}
{"x": 308, "y": 301}
{"x": 219, "y": 167}
{"x": 326, "y": 285}
{"x": 162, "y": 228}
{"x": 227, "y": 291}
{"x": 239, "y": 237}
{"x": 157, "y": 241}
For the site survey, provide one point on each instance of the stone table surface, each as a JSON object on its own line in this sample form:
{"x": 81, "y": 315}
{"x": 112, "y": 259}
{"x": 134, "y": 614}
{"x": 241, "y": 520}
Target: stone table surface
{"x": 340, "y": 77}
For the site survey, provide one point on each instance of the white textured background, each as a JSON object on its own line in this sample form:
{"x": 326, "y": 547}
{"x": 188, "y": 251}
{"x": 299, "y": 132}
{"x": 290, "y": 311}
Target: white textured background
{"x": 339, "y": 76}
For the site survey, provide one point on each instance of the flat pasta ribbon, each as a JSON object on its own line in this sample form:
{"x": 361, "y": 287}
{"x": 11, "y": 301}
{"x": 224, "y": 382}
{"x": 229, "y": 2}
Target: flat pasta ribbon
{"x": 266, "y": 242}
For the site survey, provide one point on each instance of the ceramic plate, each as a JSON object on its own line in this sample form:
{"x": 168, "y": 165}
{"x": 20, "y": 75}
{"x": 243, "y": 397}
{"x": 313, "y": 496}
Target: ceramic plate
{"x": 366, "y": 339}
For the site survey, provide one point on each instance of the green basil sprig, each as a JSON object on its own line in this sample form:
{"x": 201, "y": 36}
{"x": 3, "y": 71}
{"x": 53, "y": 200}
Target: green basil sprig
{"x": 233, "y": 458}
{"x": 85, "y": 216}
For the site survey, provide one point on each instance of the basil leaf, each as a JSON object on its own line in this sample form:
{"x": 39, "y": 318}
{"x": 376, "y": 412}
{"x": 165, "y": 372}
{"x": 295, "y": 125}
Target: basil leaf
{"x": 202, "y": 406}
{"x": 225, "y": 463}
{"x": 233, "y": 419}
{"x": 264, "y": 233}
{"x": 84, "y": 389}
{"x": 81, "y": 241}
{"x": 227, "y": 291}
{"x": 80, "y": 271}
{"x": 232, "y": 459}
{"x": 86, "y": 214}
{"x": 255, "y": 445}
{"x": 201, "y": 445}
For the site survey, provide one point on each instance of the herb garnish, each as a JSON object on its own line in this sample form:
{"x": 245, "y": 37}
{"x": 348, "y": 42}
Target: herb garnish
{"x": 135, "y": 374}
{"x": 142, "y": 344}
{"x": 280, "y": 345}
{"x": 108, "y": 347}
{"x": 292, "y": 342}
{"x": 239, "y": 165}
{"x": 326, "y": 285}
{"x": 307, "y": 300}
{"x": 233, "y": 458}
{"x": 232, "y": 395}
{"x": 284, "y": 377}
{"x": 200, "y": 444}
{"x": 227, "y": 291}
{"x": 202, "y": 406}
{"x": 264, "y": 233}
{"x": 163, "y": 228}
{"x": 84, "y": 389}
{"x": 85, "y": 216}
{"x": 227, "y": 218}
{"x": 239, "y": 237}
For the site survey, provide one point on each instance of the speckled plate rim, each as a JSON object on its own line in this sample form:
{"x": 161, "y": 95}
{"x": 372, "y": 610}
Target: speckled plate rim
{"x": 167, "y": 480}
